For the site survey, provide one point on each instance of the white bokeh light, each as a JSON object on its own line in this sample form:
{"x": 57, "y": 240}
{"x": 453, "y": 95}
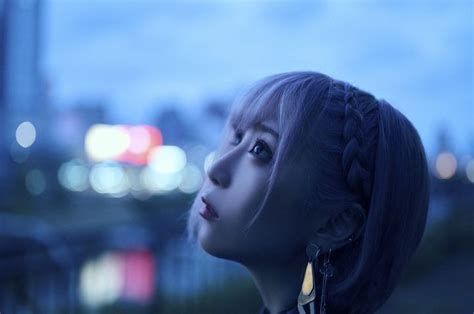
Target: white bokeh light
{"x": 106, "y": 142}
{"x": 167, "y": 159}
{"x": 158, "y": 182}
{"x": 73, "y": 175}
{"x": 446, "y": 165}
{"x": 25, "y": 134}
{"x": 101, "y": 281}
{"x": 192, "y": 179}
{"x": 109, "y": 178}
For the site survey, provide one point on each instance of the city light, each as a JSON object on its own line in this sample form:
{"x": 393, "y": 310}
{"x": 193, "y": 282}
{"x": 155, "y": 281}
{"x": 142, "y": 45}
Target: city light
{"x": 73, "y": 175}
{"x": 140, "y": 139}
{"x": 143, "y": 139}
{"x": 127, "y": 275}
{"x": 109, "y": 178}
{"x": 101, "y": 281}
{"x": 25, "y": 134}
{"x": 167, "y": 159}
{"x": 124, "y": 143}
{"x": 192, "y": 179}
{"x": 139, "y": 275}
{"x": 106, "y": 142}
{"x": 160, "y": 182}
{"x": 445, "y": 165}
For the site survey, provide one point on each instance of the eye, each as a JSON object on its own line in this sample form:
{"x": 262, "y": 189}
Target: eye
{"x": 260, "y": 148}
{"x": 262, "y": 151}
{"x": 238, "y": 135}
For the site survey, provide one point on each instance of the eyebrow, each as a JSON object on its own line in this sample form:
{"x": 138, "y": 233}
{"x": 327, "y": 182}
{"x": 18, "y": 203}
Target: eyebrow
{"x": 266, "y": 128}
{"x": 259, "y": 126}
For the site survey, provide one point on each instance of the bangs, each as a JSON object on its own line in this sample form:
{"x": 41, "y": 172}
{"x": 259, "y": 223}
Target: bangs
{"x": 260, "y": 103}
{"x": 272, "y": 97}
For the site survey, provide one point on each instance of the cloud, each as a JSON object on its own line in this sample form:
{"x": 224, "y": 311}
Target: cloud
{"x": 416, "y": 54}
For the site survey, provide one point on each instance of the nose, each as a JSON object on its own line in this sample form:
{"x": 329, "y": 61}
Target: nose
{"x": 222, "y": 167}
{"x": 218, "y": 173}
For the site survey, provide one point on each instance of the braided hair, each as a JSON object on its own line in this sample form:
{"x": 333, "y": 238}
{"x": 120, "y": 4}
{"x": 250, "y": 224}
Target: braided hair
{"x": 360, "y": 138}
{"x": 384, "y": 168}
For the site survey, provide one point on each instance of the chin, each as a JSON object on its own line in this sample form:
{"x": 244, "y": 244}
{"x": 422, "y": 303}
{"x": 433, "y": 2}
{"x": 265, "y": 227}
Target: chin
{"x": 213, "y": 246}
{"x": 206, "y": 241}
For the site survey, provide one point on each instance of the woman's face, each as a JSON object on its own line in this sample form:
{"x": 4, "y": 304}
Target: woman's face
{"x": 234, "y": 187}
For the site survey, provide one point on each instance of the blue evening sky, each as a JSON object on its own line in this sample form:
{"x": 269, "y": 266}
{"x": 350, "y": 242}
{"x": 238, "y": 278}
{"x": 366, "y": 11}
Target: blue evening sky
{"x": 136, "y": 54}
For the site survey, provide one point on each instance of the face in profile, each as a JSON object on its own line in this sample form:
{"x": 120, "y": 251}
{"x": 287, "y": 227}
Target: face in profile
{"x": 257, "y": 184}
{"x": 235, "y": 187}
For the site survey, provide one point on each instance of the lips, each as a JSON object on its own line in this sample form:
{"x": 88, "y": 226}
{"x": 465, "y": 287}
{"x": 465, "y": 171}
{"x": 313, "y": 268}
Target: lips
{"x": 207, "y": 211}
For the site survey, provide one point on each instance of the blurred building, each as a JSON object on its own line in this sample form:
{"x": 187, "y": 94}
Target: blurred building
{"x": 2, "y": 53}
{"x": 20, "y": 77}
{"x": 214, "y": 115}
{"x": 3, "y": 153}
{"x": 21, "y": 27}
{"x": 176, "y": 129}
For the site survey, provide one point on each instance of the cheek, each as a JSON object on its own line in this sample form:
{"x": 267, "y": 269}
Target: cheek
{"x": 245, "y": 196}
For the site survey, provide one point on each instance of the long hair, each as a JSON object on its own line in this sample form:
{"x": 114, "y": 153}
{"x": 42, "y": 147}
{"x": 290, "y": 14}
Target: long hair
{"x": 357, "y": 151}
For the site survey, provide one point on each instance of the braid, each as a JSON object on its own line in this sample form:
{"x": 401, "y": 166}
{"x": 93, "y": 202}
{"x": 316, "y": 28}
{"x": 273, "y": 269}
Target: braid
{"x": 355, "y": 163}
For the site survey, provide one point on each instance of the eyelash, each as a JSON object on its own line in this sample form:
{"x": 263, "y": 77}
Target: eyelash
{"x": 262, "y": 143}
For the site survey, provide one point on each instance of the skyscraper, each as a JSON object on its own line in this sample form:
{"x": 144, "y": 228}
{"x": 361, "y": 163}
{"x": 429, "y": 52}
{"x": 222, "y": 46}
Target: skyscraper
{"x": 21, "y": 49}
{"x": 20, "y": 88}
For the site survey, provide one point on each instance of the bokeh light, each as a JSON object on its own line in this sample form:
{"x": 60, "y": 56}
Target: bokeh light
{"x": 167, "y": 159}
{"x": 106, "y": 142}
{"x": 35, "y": 182}
{"x": 143, "y": 139}
{"x": 139, "y": 274}
{"x": 109, "y": 178}
{"x": 25, "y": 134}
{"x": 127, "y": 275}
{"x": 160, "y": 182}
{"x": 73, "y": 175}
{"x": 192, "y": 179}
{"x": 445, "y": 165}
{"x": 140, "y": 139}
{"x": 101, "y": 281}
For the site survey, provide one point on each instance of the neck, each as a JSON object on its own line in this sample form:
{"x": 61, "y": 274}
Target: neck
{"x": 279, "y": 283}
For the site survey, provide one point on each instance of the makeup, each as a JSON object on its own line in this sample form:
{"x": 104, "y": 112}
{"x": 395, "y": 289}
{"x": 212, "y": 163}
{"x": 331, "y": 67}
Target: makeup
{"x": 207, "y": 211}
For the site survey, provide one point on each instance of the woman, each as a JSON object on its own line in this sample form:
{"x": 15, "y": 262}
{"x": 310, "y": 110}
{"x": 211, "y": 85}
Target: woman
{"x": 320, "y": 190}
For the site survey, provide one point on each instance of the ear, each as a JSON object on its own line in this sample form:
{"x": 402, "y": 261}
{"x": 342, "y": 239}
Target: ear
{"x": 335, "y": 233}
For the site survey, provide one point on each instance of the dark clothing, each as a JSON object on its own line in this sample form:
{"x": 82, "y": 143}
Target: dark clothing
{"x": 292, "y": 310}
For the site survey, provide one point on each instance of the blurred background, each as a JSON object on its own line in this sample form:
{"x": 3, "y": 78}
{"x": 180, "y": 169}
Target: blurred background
{"x": 110, "y": 112}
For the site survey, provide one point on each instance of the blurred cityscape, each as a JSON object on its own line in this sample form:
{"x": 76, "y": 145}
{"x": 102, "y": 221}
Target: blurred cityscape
{"x": 92, "y": 212}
